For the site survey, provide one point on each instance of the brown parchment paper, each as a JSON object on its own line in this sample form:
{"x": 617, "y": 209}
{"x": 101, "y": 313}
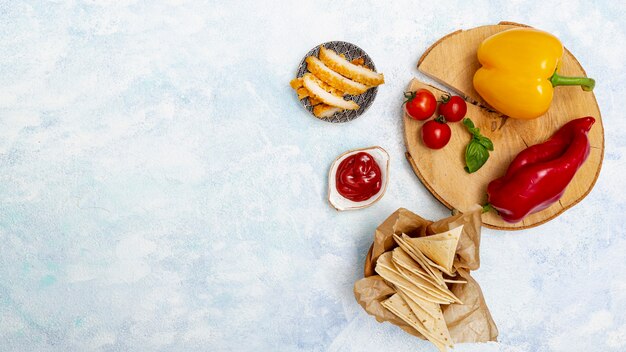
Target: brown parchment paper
{"x": 468, "y": 322}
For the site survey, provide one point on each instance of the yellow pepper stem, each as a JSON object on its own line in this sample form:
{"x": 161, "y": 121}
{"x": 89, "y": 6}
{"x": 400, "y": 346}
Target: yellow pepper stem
{"x": 586, "y": 83}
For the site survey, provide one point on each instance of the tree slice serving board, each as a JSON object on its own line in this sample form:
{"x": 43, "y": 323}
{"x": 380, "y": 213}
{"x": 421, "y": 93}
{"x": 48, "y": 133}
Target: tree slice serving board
{"x": 452, "y": 62}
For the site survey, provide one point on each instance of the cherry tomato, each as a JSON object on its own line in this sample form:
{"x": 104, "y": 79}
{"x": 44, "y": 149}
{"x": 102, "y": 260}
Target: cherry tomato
{"x": 420, "y": 105}
{"x": 435, "y": 134}
{"x": 452, "y": 108}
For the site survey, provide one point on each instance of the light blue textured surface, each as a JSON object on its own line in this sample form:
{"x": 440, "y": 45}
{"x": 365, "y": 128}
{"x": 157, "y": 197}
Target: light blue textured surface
{"x": 162, "y": 189}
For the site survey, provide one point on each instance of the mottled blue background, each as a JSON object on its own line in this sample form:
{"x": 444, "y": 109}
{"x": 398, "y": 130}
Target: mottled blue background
{"x": 161, "y": 188}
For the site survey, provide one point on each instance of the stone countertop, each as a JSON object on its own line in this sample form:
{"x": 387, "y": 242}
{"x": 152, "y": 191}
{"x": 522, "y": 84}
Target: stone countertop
{"x": 162, "y": 189}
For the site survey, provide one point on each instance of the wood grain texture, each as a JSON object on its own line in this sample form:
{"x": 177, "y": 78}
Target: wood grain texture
{"x": 452, "y": 62}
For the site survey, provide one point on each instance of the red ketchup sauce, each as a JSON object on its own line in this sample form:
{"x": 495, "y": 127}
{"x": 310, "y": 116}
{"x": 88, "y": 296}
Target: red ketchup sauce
{"x": 358, "y": 177}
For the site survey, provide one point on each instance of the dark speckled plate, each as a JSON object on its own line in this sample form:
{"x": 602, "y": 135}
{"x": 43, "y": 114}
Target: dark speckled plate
{"x": 364, "y": 100}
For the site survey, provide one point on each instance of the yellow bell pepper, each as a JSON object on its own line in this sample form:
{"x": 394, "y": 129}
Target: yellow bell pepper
{"x": 519, "y": 70}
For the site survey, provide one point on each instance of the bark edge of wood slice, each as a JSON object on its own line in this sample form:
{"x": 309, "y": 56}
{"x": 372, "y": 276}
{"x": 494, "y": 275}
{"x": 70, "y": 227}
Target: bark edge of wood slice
{"x": 452, "y": 62}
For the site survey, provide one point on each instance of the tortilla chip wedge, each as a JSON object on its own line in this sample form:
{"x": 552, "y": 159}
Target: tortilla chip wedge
{"x": 399, "y": 307}
{"x": 419, "y": 258}
{"x": 436, "y": 290}
{"x": 440, "y": 248}
{"x": 386, "y": 269}
{"x": 433, "y": 309}
{"x": 402, "y": 259}
{"x": 436, "y": 325}
{"x": 414, "y": 273}
{"x": 450, "y": 281}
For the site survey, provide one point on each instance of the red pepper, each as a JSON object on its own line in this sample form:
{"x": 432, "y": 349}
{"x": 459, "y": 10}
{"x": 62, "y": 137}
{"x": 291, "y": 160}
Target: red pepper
{"x": 539, "y": 175}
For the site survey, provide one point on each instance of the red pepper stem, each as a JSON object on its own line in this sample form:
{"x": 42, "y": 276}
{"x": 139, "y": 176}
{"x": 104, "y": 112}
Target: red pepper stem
{"x": 586, "y": 83}
{"x": 487, "y": 207}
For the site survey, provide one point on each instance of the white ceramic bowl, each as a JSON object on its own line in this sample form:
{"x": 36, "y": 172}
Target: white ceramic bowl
{"x": 341, "y": 203}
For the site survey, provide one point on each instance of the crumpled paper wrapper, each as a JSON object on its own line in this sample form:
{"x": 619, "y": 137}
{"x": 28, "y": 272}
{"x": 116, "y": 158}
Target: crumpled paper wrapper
{"x": 468, "y": 322}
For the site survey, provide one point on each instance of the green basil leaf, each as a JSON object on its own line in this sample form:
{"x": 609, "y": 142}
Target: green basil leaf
{"x": 474, "y": 131}
{"x": 476, "y": 156}
{"x": 477, "y": 151}
{"x": 486, "y": 142}
{"x": 468, "y": 123}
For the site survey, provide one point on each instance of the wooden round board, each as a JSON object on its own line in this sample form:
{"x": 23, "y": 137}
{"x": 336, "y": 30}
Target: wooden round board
{"x": 452, "y": 62}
